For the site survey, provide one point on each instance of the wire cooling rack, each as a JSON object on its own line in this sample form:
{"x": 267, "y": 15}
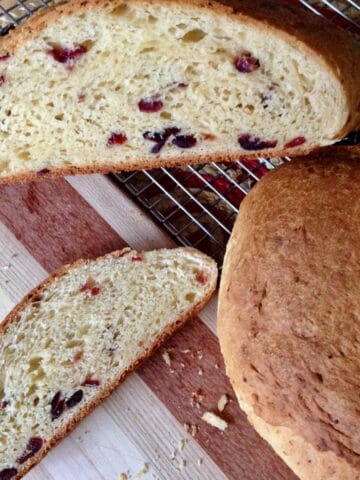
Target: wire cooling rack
{"x": 198, "y": 204}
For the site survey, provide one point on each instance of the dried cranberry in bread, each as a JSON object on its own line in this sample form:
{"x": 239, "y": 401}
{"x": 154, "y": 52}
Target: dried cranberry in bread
{"x": 100, "y": 85}
{"x": 289, "y": 313}
{"x": 74, "y": 338}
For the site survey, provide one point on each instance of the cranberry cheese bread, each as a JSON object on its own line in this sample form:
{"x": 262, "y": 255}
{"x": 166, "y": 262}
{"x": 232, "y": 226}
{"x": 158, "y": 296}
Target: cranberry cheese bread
{"x": 74, "y": 338}
{"x": 100, "y": 85}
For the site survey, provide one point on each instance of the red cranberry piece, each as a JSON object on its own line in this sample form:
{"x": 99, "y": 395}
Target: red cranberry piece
{"x": 250, "y": 142}
{"x": 74, "y": 399}
{"x": 295, "y": 142}
{"x": 209, "y": 136}
{"x": 182, "y": 85}
{"x": 43, "y": 172}
{"x": 4, "y": 404}
{"x": 2, "y": 80}
{"x": 33, "y": 446}
{"x": 184, "y": 141}
{"x": 78, "y": 356}
{"x": 160, "y": 138}
{"x": 201, "y": 278}
{"x": 57, "y": 406}
{"x": 8, "y": 473}
{"x": 153, "y": 136}
{"x": 67, "y": 55}
{"x": 91, "y": 288}
{"x": 85, "y": 287}
{"x": 5, "y": 57}
{"x": 136, "y": 258}
{"x": 150, "y": 104}
{"x": 90, "y": 382}
{"x": 171, "y": 131}
{"x": 116, "y": 138}
{"x": 246, "y": 63}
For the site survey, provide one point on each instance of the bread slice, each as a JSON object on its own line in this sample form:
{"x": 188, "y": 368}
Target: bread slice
{"x": 99, "y": 85}
{"x": 76, "y": 336}
{"x": 288, "y": 319}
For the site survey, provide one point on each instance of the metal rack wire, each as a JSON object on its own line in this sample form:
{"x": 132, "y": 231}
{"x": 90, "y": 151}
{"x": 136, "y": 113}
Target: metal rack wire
{"x": 198, "y": 204}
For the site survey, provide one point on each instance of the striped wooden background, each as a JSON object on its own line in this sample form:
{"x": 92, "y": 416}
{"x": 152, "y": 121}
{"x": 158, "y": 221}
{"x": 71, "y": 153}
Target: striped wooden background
{"x": 46, "y": 224}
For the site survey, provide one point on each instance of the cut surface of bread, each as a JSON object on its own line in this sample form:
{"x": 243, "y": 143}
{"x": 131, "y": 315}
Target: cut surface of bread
{"x": 98, "y": 85}
{"x": 71, "y": 341}
{"x": 289, "y": 308}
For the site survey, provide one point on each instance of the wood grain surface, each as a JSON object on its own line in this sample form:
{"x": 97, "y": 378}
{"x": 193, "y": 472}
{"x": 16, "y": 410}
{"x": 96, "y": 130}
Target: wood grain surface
{"x": 46, "y": 224}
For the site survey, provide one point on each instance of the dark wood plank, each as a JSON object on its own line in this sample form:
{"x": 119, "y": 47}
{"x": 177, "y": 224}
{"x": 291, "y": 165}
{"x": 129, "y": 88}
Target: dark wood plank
{"x": 55, "y": 223}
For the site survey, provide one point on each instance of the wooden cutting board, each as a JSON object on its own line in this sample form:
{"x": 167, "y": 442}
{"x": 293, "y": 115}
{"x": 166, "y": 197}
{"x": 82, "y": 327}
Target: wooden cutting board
{"x": 139, "y": 430}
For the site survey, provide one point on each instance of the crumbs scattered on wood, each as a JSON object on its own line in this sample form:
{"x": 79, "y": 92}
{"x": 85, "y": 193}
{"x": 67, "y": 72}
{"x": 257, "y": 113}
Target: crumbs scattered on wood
{"x": 142, "y": 472}
{"x": 223, "y": 401}
{"x": 191, "y": 429}
{"x": 201, "y": 371}
{"x": 166, "y": 357}
{"x": 196, "y": 398}
{"x": 214, "y": 421}
{"x": 182, "y": 464}
{"x": 181, "y": 445}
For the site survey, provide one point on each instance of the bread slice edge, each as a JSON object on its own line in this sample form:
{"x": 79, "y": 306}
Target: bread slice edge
{"x": 12, "y": 318}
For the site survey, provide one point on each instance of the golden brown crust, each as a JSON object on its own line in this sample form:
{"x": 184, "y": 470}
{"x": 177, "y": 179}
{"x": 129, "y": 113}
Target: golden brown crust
{"x": 289, "y": 303}
{"x": 334, "y": 50}
{"x": 106, "y": 390}
{"x": 150, "y": 163}
{"x": 304, "y": 459}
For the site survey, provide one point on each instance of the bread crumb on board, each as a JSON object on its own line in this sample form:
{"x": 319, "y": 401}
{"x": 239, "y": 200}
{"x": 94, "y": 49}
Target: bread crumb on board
{"x": 166, "y": 357}
{"x": 123, "y": 476}
{"x": 142, "y": 472}
{"x": 196, "y": 398}
{"x": 214, "y": 421}
{"x": 223, "y": 401}
{"x": 181, "y": 445}
{"x": 192, "y": 429}
{"x": 182, "y": 464}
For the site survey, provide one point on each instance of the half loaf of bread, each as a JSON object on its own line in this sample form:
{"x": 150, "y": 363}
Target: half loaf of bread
{"x": 74, "y": 338}
{"x": 289, "y": 313}
{"x": 100, "y": 85}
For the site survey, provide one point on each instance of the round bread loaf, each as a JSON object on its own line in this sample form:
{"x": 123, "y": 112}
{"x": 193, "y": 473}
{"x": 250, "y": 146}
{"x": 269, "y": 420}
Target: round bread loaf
{"x": 289, "y": 313}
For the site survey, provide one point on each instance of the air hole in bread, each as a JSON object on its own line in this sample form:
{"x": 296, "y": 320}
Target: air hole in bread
{"x": 194, "y": 35}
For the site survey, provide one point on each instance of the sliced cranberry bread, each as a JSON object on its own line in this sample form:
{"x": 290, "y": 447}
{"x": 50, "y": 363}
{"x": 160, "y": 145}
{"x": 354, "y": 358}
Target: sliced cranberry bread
{"x": 70, "y": 342}
{"x": 104, "y": 85}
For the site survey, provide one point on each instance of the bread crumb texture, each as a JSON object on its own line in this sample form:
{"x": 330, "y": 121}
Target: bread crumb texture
{"x": 74, "y": 337}
{"x": 90, "y": 85}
